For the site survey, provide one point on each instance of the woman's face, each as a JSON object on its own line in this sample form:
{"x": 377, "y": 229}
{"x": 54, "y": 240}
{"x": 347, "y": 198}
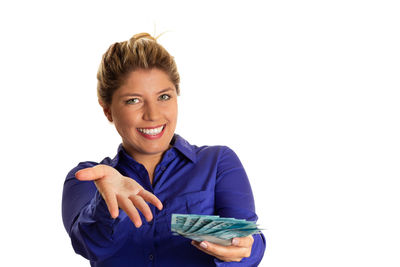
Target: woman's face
{"x": 144, "y": 111}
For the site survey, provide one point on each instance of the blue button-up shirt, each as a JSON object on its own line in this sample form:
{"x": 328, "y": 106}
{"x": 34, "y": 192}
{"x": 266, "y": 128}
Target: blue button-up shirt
{"x": 207, "y": 180}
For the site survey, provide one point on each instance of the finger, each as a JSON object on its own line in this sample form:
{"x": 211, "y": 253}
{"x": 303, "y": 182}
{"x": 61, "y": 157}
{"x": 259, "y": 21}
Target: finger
{"x": 112, "y": 203}
{"x": 127, "y": 205}
{"x": 202, "y": 248}
{"x": 230, "y": 252}
{"x": 94, "y": 173}
{"x": 149, "y": 197}
{"x": 141, "y": 205}
{"x": 197, "y": 245}
{"x": 246, "y": 241}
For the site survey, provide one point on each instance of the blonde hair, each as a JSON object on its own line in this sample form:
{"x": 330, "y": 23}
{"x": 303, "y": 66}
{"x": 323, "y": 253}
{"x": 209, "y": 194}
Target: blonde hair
{"x": 139, "y": 52}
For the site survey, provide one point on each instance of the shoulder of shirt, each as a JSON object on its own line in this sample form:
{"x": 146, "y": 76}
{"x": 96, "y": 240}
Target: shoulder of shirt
{"x": 194, "y": 152}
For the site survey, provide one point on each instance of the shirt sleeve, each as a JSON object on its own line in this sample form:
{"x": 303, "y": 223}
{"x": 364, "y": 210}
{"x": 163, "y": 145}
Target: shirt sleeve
{"x": 234, "y": 198}
{"x": 94, "y": 234}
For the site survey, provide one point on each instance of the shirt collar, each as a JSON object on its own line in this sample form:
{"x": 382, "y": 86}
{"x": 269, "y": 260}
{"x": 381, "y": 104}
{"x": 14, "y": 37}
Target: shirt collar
{"x": 177, "y": 142}
{"x": 184, "y": 147}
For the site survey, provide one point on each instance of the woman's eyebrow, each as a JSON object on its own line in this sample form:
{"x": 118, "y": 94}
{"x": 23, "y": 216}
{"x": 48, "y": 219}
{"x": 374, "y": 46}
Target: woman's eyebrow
{"x": 136, "y": 94}
{"x": 130, "y": 94}
{"x": 164, "y": 90}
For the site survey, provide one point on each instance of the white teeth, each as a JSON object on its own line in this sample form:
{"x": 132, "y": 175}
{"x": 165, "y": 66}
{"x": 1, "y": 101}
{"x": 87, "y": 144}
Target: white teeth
{"x": 151, "y": 131}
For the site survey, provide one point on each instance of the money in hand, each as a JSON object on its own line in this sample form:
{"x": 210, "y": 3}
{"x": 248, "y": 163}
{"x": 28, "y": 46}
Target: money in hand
{"x": 211, "y": 228}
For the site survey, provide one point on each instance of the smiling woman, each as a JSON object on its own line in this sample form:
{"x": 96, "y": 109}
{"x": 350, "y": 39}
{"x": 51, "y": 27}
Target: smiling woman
{"x": 155, "y": 172}
{"x": 144, "y": 111}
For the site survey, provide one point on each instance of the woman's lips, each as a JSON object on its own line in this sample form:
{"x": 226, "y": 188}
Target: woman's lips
{"x": 152, "y": 132}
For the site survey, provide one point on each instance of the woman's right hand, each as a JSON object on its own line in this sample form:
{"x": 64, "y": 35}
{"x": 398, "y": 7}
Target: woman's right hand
{"x": 120, "y": 191}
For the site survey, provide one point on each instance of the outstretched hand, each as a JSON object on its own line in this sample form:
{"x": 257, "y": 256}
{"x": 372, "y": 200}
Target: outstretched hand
{"x": 120, "y": 191}
{"x": 240, "y": 248}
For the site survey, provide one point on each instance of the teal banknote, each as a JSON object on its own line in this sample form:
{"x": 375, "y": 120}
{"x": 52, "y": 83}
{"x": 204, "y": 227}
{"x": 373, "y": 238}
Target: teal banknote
{"x": 212, "y": 228}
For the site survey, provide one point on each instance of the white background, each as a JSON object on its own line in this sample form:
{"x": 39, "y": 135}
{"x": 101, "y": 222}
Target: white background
{"x": 305, "y": 92}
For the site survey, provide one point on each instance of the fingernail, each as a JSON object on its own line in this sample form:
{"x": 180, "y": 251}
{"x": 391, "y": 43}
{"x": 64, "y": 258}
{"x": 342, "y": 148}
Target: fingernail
{"x": 235, "y": 242}
{"x": 203, "y": 245}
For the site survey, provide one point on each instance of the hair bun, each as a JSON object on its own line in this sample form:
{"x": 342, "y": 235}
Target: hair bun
{"x": 143, "y": 35}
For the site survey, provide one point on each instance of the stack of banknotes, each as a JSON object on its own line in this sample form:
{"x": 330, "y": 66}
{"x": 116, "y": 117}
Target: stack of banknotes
{"x": 211, "y": 228}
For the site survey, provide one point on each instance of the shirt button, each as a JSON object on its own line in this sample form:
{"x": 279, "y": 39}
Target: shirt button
{"x": 151, "y": 257}
{"x": 163, "y": 168}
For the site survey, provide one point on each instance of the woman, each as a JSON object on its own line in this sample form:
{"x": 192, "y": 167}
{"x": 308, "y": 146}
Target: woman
{"x": 105, "y": 205}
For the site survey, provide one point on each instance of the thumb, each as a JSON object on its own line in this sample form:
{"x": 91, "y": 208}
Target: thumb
{"x": 94, "y": 173}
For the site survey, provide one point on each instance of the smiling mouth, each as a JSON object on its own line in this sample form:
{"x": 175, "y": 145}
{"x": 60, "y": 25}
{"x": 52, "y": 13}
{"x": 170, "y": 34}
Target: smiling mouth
{"x": 152, "y": 131}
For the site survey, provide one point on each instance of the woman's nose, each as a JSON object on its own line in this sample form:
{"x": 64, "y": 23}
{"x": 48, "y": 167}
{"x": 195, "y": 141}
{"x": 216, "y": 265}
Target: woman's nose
{"x": 151, "y": 112}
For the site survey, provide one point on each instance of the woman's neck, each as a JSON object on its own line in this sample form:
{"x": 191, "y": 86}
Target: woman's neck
{"x": 149, "y": 162}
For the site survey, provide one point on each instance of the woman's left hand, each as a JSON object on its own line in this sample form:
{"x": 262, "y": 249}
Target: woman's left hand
{"x": 240, "y": 248}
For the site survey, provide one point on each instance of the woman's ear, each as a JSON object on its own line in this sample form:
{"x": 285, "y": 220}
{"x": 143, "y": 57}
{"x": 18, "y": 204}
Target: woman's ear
{"x": 106, "y": 110}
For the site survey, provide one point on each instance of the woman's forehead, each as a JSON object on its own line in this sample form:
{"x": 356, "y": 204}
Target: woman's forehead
{"x": 145, "y": 81}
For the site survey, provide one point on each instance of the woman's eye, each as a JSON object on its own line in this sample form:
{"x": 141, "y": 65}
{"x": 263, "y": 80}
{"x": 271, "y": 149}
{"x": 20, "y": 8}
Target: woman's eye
{"x": 132, "y": 101}
{"x": 165, "y": 97}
